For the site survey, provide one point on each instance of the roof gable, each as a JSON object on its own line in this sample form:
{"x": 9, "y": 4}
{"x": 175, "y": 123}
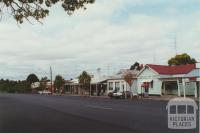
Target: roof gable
{"x": 144, "y": 68}
{"x": 172, "y": 70}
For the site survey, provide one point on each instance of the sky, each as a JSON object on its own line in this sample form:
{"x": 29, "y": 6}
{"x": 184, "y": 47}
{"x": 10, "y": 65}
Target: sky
{"x": 110, "y": 34}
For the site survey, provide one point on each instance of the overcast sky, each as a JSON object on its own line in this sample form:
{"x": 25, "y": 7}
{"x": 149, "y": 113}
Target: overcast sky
{"x": 110, "y": 34}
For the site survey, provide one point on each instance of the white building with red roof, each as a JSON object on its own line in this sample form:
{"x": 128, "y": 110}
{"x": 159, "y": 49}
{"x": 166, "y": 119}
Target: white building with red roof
{"x": 167, "y": 80}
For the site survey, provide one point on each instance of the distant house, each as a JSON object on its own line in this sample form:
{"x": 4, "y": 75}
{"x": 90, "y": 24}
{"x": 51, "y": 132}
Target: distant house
{"x": 35, "y": 85}
{"x": 72, "y": 87}
{"x": 50, "y": 86}
{"x": 165, "y": 80}
{"x": 117, "y": 82}
{"x": 97, "y": 86}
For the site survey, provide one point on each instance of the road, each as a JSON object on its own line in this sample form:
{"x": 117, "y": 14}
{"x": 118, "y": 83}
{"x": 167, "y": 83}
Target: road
{"x": 26, "y": 113}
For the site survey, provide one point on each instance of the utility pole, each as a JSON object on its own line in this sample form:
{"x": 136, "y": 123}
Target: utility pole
{"x": 51, "y": 79}
{"x": 183, "y": 83}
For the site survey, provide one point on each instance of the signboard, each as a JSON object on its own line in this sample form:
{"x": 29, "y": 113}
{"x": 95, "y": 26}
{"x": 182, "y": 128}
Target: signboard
{"x": 182, "y": 113}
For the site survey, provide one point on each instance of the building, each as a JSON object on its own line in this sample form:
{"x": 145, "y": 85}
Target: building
{"x": 165, "y": 80}
{"x": 35, "y": 85}
{"x": 117, "y": 82}
{"x": 97, "y": 86}
{"x": 193, "y": 77}
{"x": 50, "y": 86}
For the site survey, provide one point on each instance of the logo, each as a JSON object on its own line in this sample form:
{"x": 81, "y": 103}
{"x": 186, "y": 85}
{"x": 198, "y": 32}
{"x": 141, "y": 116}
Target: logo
{"x": 182, "y": 113}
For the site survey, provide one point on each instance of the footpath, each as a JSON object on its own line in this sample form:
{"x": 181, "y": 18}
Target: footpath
{"x": 159, "y": 98}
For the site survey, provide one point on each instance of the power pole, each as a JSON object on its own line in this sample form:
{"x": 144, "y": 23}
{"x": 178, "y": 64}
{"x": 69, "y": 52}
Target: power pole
{"x": 51, "y": 79}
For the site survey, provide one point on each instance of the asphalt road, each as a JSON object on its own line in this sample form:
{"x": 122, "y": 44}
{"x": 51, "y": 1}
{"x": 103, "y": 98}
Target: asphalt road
{"x": 20, "y": 113}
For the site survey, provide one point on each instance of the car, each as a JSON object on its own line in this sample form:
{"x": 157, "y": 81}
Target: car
{"x": 45, "y": 92}
{"x": 116, "y": 94}
{"x": 40, "y": 92}
{"x": 121, "y": 95}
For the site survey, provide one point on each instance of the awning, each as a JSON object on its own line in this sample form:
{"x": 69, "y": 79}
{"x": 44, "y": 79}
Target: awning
{"x": 146, "y": 80}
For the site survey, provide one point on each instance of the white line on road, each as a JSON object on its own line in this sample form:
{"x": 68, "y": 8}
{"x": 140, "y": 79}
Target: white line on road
{"x": 98, "y": 107}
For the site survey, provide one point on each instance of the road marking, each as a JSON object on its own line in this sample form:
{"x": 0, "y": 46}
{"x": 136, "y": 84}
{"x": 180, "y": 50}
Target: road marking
{"x": 98, "y": 107}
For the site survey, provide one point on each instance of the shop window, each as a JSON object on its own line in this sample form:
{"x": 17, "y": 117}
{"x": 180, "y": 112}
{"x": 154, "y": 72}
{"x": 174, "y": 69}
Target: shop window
{"x": 110, "y": 85}
{"x": 117, "y": 86}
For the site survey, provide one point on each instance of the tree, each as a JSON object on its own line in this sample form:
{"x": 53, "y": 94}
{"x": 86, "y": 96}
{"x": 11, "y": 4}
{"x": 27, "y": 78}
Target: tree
{"x": 136, "y": 66}
{"x": 84, "y": 80}
{"x": 181, "y": 59}
{"x": 128, "y": 77}
{"x": 38, "y": 9}
{"x": 32, "y": 78}
{"x": 11, "y": 86}
{"x": 58, "y": 83}
{"x": 22, "y": 87}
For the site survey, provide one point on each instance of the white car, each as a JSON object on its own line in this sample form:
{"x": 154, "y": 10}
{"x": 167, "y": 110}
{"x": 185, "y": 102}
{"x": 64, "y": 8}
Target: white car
{"x": 127, "y": 94}
{"x": 45, "y": 92}
{"x": 118, "y": 94}
{"x": 115, "y": 94}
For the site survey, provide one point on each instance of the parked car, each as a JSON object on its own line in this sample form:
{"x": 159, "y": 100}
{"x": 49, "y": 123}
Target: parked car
{"x": 115, "y": 94}
{"x": 121, "y": 95}
{"x": 45, "y": 92}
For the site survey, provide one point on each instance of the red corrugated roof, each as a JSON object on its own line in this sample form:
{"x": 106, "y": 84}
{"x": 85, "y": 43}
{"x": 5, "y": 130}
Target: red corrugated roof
{"x": 172, "y": 70}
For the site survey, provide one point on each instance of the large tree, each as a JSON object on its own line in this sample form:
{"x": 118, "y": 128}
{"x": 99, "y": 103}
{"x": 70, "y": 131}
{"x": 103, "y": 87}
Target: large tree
{"x": 129, "y": 78}
{"x": 181, "y": 59}
{"x": 136, "y": 66}
{"x": 32, "y": 78}
{"x": 58, "y": 84}
{"x": 38, "y": 9}
{"x": 14, "y": 86}
{"x": 84, "y": 80}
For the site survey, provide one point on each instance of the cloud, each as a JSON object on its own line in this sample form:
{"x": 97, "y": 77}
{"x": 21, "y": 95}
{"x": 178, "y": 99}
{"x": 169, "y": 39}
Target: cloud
{"x": 95, "y": 38}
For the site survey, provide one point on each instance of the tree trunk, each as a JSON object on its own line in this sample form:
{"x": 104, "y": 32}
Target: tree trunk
{"x": 131, "y": 93}
{"x": 126, "y": 92}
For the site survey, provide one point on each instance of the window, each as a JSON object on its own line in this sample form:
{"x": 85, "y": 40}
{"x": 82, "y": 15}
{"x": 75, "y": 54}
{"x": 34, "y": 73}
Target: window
{"x": 117, "y": 86}
{"x": 181, "y": 109}
{"x": 110, "y": 85}
{"x": 122, "y": 85}
{"x": 173, "y": 109}
{"x": 190, "y": 109}
{"x": 151, "y": 84}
